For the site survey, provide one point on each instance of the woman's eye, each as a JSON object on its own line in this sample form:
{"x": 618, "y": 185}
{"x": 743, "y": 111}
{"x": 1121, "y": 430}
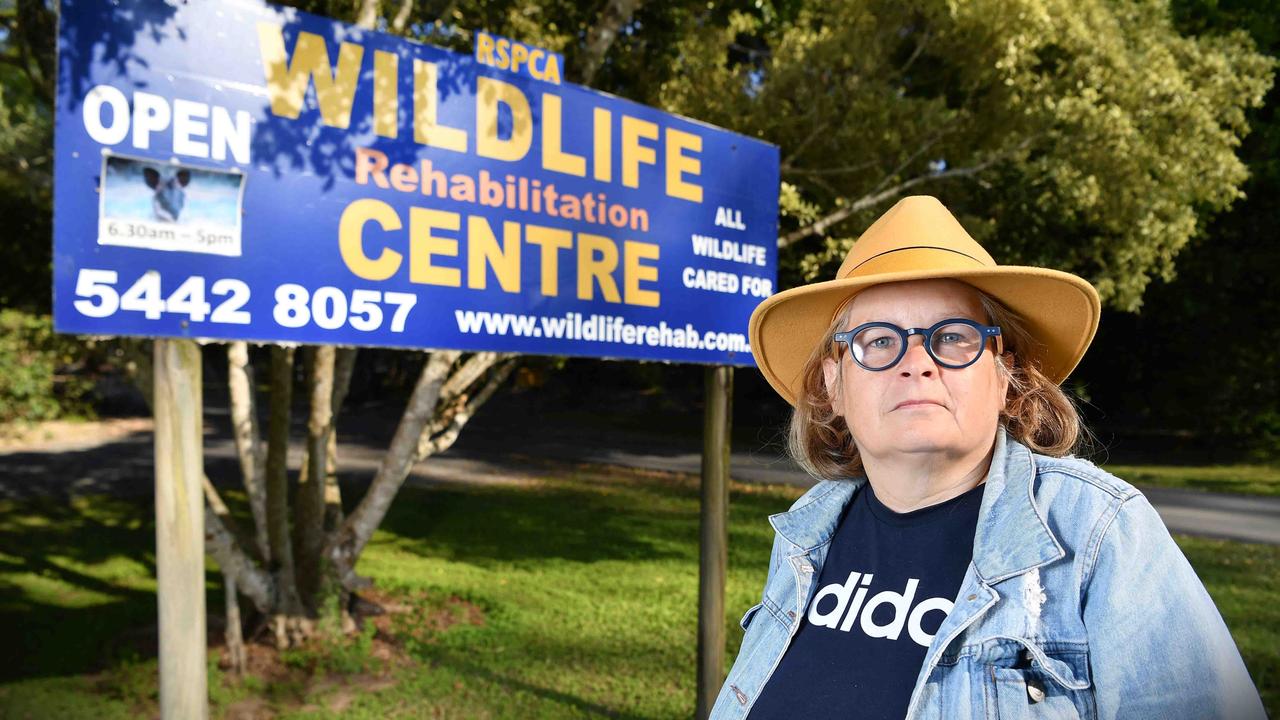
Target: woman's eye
{"x": 951, "y": 338}
{"x": 881, "y": 343}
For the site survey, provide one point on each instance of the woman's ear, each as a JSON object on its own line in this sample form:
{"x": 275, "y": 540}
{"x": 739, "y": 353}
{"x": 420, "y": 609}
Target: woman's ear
{"x": 831, "y": 378}
{"x": 1007, "y": 363}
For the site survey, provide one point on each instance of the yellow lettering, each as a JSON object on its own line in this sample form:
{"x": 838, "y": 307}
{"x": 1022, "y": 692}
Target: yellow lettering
{"x": 484, "y": 48}
{"x": 519, "y": 53}
{"x": 426, "y": 101}
{"x": 535, "y": 55}
{"x": 552, "y": 242}
{"x": 553, "y": 158}
{"x": 504, "y": 60}
{"x": 552, "y": 73}
{"x": 601, "y": 269}
{"x": 287, "y": 80}
{"x": 482, "y": 249}
{"x": 678, "y": 164}
{"x": 602, "y": 160}
{"x": 633, "y": 153}
{"x": 423, "y": 244}
{"x": 351, "y": 239}
{"x": 386, "y": 94}
{"x": 633, "y": 272}
{"x": 489, "y": 93}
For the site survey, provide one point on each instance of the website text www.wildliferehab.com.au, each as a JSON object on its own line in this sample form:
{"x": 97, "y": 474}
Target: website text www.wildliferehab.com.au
{"x": 598, "y": 328}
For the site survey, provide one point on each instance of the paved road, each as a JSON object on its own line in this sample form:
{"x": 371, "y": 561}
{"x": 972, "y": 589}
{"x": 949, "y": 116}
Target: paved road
{"x": 1247, "y": 518}
{"x": 497, "y": 450}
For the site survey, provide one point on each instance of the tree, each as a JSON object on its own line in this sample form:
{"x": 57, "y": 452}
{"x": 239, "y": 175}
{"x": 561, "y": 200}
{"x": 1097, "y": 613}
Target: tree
{"x": 1205, "y": 338}
{"x": 1089, "y": 136}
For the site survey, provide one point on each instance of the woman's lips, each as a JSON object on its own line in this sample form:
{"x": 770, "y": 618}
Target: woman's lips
{"x": 916, "y": 403}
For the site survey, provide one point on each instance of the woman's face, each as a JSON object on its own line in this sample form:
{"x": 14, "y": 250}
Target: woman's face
{"x": 963, "y": 406}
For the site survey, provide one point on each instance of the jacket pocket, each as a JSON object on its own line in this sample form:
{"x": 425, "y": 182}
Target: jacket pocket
{"x": 1027, "y": 680}
{"x": 750, "y": 613}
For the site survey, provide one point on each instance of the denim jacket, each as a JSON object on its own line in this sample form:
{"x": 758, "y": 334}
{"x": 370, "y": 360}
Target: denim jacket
{"x": 1077, "y": 604}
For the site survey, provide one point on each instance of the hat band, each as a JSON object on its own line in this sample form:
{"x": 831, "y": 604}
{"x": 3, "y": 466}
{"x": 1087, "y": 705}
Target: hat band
{"x": 909, "y": 259}
{"x": 918, "y": 257}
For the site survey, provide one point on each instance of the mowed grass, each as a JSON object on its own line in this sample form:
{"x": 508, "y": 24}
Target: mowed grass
{"x": 581, "y": 591}
{"x": 1241, "y": 479}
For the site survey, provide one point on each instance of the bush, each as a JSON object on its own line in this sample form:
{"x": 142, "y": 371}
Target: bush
{"x": 42, "y": 374}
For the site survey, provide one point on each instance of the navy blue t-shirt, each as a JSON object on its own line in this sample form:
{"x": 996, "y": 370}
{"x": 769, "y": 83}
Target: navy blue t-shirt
{"x": 888, "y": 582}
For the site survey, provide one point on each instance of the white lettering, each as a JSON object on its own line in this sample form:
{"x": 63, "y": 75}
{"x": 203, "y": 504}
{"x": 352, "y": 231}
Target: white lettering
{"x": 192, "y": 124}
{"x": 92, "y": 113}
{"x": 188, "y": 121}
{"x": 150, "y": 114}
{"x": 849, "y": 597}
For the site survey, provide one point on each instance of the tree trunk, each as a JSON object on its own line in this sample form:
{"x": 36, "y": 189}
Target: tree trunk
{"x": 248, "y": 440}
{"x": 309, "y": 509}
{"x": 234, "y": 632}
{"x": 344, "y": 366}
{"x": 288, "y": 630}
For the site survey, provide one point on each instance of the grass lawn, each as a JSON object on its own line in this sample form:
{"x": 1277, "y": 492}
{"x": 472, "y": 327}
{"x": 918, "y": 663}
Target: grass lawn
{"x": 572, "y": 597}
{"x": 1242, "y": 478}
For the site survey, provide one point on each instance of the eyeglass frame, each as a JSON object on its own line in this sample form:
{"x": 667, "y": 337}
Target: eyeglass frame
{"x": 985, "y": 331}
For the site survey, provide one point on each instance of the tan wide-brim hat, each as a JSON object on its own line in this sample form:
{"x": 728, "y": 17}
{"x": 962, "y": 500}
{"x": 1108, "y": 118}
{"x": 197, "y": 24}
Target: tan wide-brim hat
{"x": 916, "y": 239}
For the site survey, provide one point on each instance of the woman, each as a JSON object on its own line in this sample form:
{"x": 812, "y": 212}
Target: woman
{"x": 957, "y": 561}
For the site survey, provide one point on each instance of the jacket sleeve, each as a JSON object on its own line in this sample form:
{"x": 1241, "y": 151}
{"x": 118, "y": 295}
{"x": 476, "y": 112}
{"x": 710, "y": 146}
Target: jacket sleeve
{"x": 1158, "y": 646}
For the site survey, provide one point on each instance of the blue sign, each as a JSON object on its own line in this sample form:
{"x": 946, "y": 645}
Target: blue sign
{"x": 237, "y": 170}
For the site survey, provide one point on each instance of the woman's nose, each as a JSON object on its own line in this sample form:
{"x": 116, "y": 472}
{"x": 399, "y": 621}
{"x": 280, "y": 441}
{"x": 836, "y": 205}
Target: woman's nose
{"x": 916, "y": 361}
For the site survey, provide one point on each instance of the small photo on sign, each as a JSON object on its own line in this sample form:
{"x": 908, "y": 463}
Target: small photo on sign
{"x": 165, "y": 206}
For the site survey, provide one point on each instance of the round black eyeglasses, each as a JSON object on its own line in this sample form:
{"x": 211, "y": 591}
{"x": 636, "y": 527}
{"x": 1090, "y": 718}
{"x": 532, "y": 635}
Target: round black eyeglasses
{"x": 954, "y": 343}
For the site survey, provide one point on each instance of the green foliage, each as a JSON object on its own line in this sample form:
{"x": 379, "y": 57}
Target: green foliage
{"x": 1197, "y": 355}
{"x": 26, "y": 153}
{"x": 36, "y": 382}
{"x": 1089, "y": 136}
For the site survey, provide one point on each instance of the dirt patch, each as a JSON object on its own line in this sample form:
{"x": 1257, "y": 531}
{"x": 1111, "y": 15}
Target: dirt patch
{"x": 303, "y": 678}
{"x": 419, "y": 615}
{"x": 59, "y": 435}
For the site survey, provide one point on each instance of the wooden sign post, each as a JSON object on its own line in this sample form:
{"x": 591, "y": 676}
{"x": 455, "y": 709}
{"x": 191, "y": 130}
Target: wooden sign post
{"x": 179, "y": 466}
{"x": 717, "y": 419}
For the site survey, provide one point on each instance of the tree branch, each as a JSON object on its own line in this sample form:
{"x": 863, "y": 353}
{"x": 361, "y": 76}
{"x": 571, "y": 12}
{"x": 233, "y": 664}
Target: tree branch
{"x": 614, "y": 15}
{"x": 820, "y": 226}
{"x": 346, "y": 544}
{"x": 220, "y": 541}
{"x": 402, "y": 17}
{"x": 834, "y": 170}
{"x": 367, "y": 18}
{"x": 446, "y": 432}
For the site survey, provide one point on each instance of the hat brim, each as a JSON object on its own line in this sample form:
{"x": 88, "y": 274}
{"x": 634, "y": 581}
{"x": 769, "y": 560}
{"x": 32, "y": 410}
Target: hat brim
{"x": 1061, "y": 311}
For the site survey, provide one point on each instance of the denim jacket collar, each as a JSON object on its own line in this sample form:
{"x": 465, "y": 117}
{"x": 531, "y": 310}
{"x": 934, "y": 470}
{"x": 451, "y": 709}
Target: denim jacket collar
{"x": 1012, "y": 536}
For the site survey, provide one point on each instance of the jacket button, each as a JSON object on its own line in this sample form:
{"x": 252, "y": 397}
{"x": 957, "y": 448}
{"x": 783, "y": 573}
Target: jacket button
{"x": 791, "y": 614}
{"x": 742, "y": 697}
{"x": 971, "y": 598}
{"x": 1035, "y": 692}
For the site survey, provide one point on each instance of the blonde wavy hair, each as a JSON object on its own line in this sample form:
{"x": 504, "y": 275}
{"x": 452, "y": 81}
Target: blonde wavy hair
{"x": 1037, "y": 412}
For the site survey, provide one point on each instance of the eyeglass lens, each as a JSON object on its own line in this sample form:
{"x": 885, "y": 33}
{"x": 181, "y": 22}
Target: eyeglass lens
{"x": 954, "y": 344}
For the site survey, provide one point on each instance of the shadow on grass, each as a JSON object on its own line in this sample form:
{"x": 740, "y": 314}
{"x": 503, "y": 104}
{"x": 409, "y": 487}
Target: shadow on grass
{"x": 69, "y": 572}
{"x": 457, "y": 662}
{"x": 578, "y": 522}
